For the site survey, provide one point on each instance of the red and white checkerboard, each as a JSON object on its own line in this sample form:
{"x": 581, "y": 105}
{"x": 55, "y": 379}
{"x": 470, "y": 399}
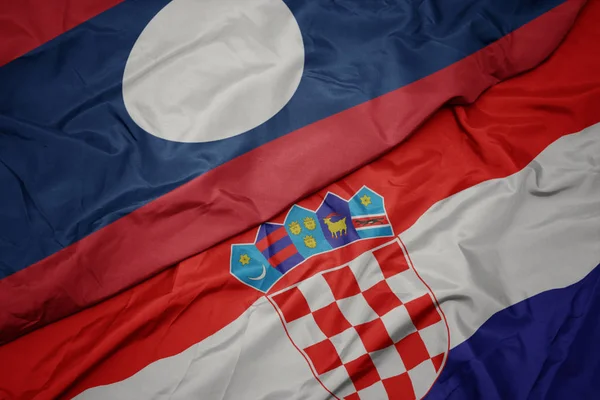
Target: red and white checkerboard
{"x": 369, "y": 329}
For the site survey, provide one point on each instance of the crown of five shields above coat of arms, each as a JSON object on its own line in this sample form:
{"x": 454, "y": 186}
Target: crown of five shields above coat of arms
{"x": 369, "y": 329}
{"x": 305, "y": 233}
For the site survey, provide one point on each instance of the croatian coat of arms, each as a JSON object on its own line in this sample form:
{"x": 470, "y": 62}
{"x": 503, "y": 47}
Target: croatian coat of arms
{"x": 368, "y": 329}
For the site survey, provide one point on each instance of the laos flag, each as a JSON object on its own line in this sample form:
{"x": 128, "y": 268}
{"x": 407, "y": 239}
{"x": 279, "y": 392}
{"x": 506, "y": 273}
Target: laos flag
{"x": 291, "y": 199}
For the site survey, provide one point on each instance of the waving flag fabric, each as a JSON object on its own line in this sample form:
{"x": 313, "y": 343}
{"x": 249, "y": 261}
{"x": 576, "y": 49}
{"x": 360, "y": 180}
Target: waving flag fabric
{"x": 362, "y": 344}
{"x": 461, "y": 264}
{"x": 157, "y": 129}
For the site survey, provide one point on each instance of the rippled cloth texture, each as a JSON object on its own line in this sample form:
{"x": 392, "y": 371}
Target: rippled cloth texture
{"x": 92, "y": 204}
{"x": 459, "y": 147}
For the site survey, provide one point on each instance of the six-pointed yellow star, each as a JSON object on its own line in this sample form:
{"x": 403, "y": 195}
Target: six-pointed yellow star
{"x": 365, "y": 200}
{"x": 244, "y": 259}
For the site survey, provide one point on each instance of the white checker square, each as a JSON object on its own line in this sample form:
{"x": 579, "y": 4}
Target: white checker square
{"x": 366, "y": 270}
{"x": 317, "y": 292}
{"x": 356, "y": 310}
{"x": 348, "y": 345}
{"x": 407, "y": 286}
{"x": 422, "y": 377}
{"x": 305, "y": 332}
{"x": 375, "y": 391}
{"x": 398, "y": 323}
{"x": 388, "y": 362}
{"x": 435, "y": 338}
{"x": 338, "y": 381}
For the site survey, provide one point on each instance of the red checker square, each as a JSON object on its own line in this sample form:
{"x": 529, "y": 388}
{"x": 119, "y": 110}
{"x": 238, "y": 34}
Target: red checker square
{"x": 362, "y": 371}
{"x": 292, "y": 304}
{"x": 324, "y": 356}
{"x": 374, "y": 335}
{"x": 437, "y": 361}
{"x": 422, "y": 311}
{"x": 381, "y": 298}
{"x": 331, "y": 320}
{"x": 412, "y": 350}
{"x": 391, "y": 260}
{"x": 399, "y": 387}
{"x": 342, "y": 283}
{"x": 353, "y": 396}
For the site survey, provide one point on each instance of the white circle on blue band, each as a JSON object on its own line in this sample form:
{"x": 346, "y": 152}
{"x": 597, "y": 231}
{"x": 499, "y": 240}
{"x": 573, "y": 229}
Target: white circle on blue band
{"x": 204, "y": 70}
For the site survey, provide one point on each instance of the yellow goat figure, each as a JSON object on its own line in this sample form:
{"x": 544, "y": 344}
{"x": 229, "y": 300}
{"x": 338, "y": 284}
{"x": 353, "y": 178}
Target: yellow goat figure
{"x": 337, "y": 228}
